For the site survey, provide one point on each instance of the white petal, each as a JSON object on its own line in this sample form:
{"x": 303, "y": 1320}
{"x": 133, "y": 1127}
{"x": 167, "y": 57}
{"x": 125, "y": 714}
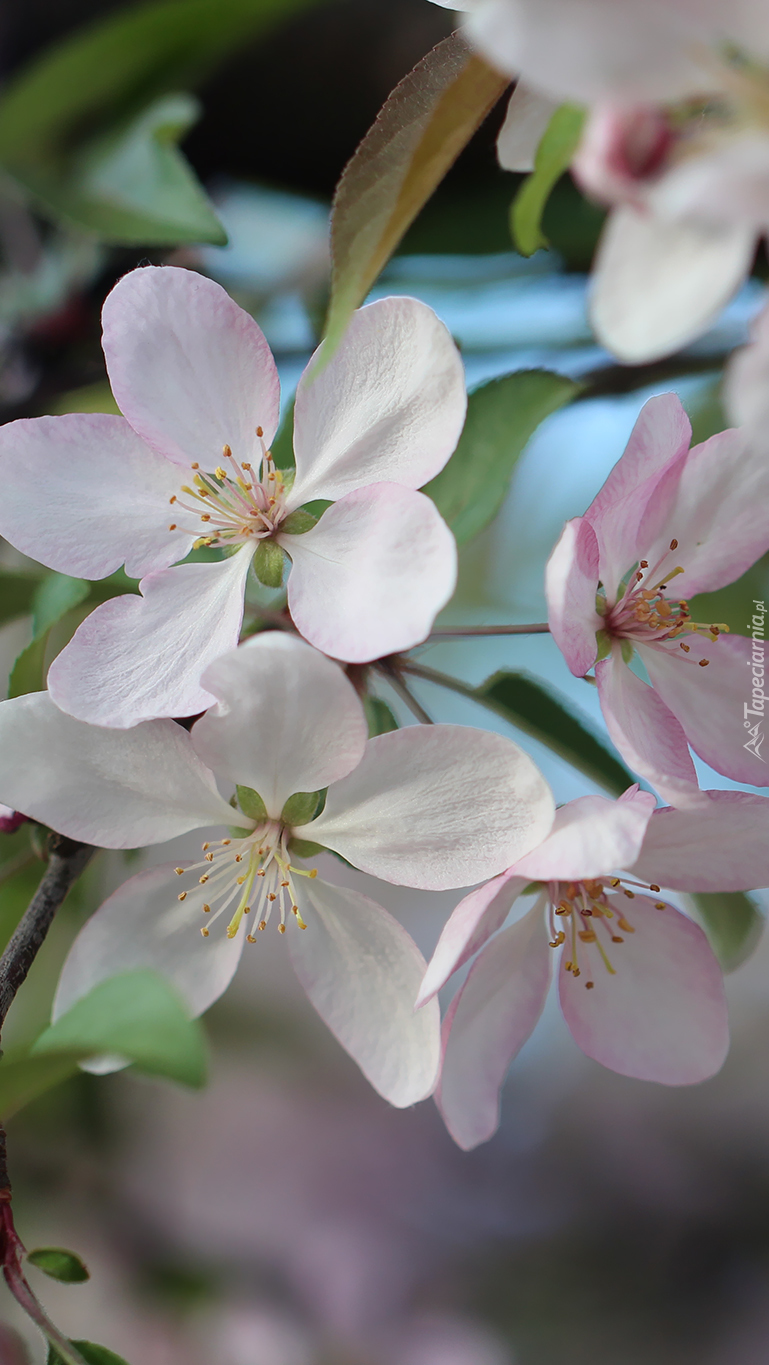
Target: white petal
{"x": 362, "y": 972}
{"x": 189, "y": 369}
{"x": 143, "y": 925}
{"x": 488, "y": 1023}
{"x": 287, "y": 719}
{"x": 645, "y": 731}
{"x": 140, "y": 657}
{"x": 115, "y": 788}
{"x": 388, "y": 406}
{"x": 659, "y": 284}
{"x": 526, "y": 120}
{"x": 590, "y": 837}
{"x": 436, "y": 806}
{"x": 83, "y": 495}
{"x": 371, "y": 577}
{"x": 722, "y": 844}
{"x": 571, "y": 585}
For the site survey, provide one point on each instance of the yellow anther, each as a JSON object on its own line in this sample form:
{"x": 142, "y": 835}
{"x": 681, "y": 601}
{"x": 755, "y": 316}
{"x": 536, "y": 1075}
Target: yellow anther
{"x": 281, "y": 928}
{"x": 614, "y": 881}
{"x": 240, "y": 880}
{"x": 204, "y": 931}
{"x": 674, "y": 546}
{"x": 653, "y": 886}
{"x": 245, "y": 465}
{"x": 630, "y": 894}
{"x": 209, "y": 857}
{"x": 207, "y": 909}
{"x": 202, "y": 880}
{"x": 687, "y": 648}
{"x": 624, "y": 926}
{"x": 263, "y": 924}
{"x": 220, "y": 473}
{"x": 260, "y": 432}
{"x": 615, "y": 938}
{"x": 172, "y": 527}
{"x": 704, "y": 663}
{"x": 178, "y": 871}
{"x": 182, "y": 896}
{"x": 194, "y": 465}
{"x": 204, "y": 516}
{"x": 173, "y": 499}
{"x": 589, "y": 985}
{"x": 205, "y": 846}
{"x": 270, "y": 895}
{"x": 226, "y": 452}
{"x": 587, "y": 935}
{"x": 225, "y": 842}
{"x": 250, "y": 938}
{"x": 659, "y": 905}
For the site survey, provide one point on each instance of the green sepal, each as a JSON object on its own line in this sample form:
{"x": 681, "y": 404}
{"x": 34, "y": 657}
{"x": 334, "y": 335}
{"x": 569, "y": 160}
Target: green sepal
{"x": 628, "y": 650}
{"x": 532, "y": 888}
{"x": 379, "y": 716}
{"x": 302, "y": 807}
{"x": 269, "y": 562}
{"x": 304, "y": 848}
{"x": 251, "y": 804}
{"x": 90, "y": 1353}
{"x": 603, "y": 642}
{"x": 237, "y": 832}
{"x": 60, "y": 1264}
{"x": 553, "y": 156}
{"x": 298, "y": 522}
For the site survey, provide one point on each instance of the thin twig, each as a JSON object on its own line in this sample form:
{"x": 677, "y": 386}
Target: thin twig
{"x": 470, "y": 632}
{"x": 611, "y": 379}
{"x": 67, "y": 860}
{"x": 393, "y": 676}
{"x": 440, "y": 679}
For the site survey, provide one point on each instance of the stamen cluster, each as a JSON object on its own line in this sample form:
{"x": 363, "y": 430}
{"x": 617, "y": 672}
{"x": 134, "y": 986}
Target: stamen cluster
{"x": 595, "y": 905}
{"x": 240, "y": 504}
{"x": 644, "y": 614}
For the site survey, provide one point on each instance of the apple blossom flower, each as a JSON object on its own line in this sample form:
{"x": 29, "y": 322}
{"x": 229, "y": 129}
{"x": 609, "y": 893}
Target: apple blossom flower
{"x": 639, "y": 987}
{"x": 665, "y": 514}
{"x": 676, "y": 142}
{"x": 189, "y": 464}
{"x": 429, "y": 807}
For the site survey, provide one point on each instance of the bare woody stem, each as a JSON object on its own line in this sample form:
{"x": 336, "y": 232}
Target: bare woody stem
{"x": 470, "y": 632}
{"x": 393, "y": 675}
{"x": 66, "y": 862}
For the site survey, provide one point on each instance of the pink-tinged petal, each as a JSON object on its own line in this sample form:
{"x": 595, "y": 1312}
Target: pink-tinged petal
{"x": 658, "y": 446}
{"x": 471, "y": 925}
{"x": 371, "y": 577}
{"x": 388, "y": 406}
{"x": 143, "y": 925}
{"x": 621, "y": 148}
{"x": 437, "y": 807}
{"x": 587, "y": 50}
{"x": 645, "y": 731}
{"x": 287, "y": 720}
{"x": 571, "y": 583}
{"x": 488, "y": 1022}
{"x": 189, "y": 369}
{"x": 114, "y": 788}
{"x": 659, "y": 284}
{"x": 710, "y": 701}
{"x": 361, "y": 971}
{"x": 590, "y": 837}
{"x": 662, "y": 1017}
{"x": 83, "y": 494}
{"x": 715, "y": 509}
{"x": 722, "y": 844}
{"x": 136, "y": 658}
{"x": 725, "y": 182}
{"x": 526, "y": 120}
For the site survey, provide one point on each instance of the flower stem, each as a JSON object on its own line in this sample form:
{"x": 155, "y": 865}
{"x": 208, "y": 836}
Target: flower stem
{"x": 393, "y": 676}
{"x": 440, "y": 679}
{"x": 470, "y": 632}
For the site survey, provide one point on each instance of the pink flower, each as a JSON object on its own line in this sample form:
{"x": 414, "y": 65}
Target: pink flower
{"x": 189, "y": 463}
{"x": 432, "y": 807}
{"x": 639, "y": 987}
{"x": 667, "y": 514}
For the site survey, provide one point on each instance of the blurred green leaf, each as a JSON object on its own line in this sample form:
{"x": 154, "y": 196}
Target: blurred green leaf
{"x": 108, "y": 75}
{"x": 92, "y": 1355}
{"x": 23, "y": 1080}
{"x": 553, "y": 157}
{"x": 54, "y": 596}
{"x": 59, "y": 1264}
{"x": 424, "y": 125}
{"x": 501, "y": 417}
{"x": 134, "y": 186}
{"x": 283, "y": 445}
{"x": 534, "y": 709}
{"x": 139, "y": 1016}
{"x": 88, "y": 398}
{"x": 733, "y": 923}
{"x": 17, "y": 591}
{"x": 379, "y": 716}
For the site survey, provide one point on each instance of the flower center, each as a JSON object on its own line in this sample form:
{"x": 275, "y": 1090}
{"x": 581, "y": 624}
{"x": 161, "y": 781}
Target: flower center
{"x": 256, "y": 872}
{"x": 588, "y": 918}
{"x": 643, "y": 614}
{"x": 236, "y": 503}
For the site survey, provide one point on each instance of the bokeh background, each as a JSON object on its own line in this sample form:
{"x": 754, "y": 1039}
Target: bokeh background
{"x": 286, "y": 1215}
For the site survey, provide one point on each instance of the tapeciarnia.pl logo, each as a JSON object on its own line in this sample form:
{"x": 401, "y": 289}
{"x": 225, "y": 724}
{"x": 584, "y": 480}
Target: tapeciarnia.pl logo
{"x": 754, "y": 710}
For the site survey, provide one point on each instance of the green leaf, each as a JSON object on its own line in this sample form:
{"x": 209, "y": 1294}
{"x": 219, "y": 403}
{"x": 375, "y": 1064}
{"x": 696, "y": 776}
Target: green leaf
{"x": 92, "y": 1354}
{"x": 110, "y": 68}
{"x": 733, "y": 923}
{"x": 424, "y": 125}
{"x": 17, "y": 591}
{"x": 251, "y": 803}
{"x": 54, "y": 596}
{"x": 301, "y": 807}
{"x": 59, "y": 1264}
{"x": 539, "y": 713}
{"x": 134, "y": 186}
{"x": 379, "y": 716}
{"x": 23, "y": 1080}
{"x": 553, "y": 157}
{"x": 136, "y": 1015}
{"x": 501, "y": 417}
